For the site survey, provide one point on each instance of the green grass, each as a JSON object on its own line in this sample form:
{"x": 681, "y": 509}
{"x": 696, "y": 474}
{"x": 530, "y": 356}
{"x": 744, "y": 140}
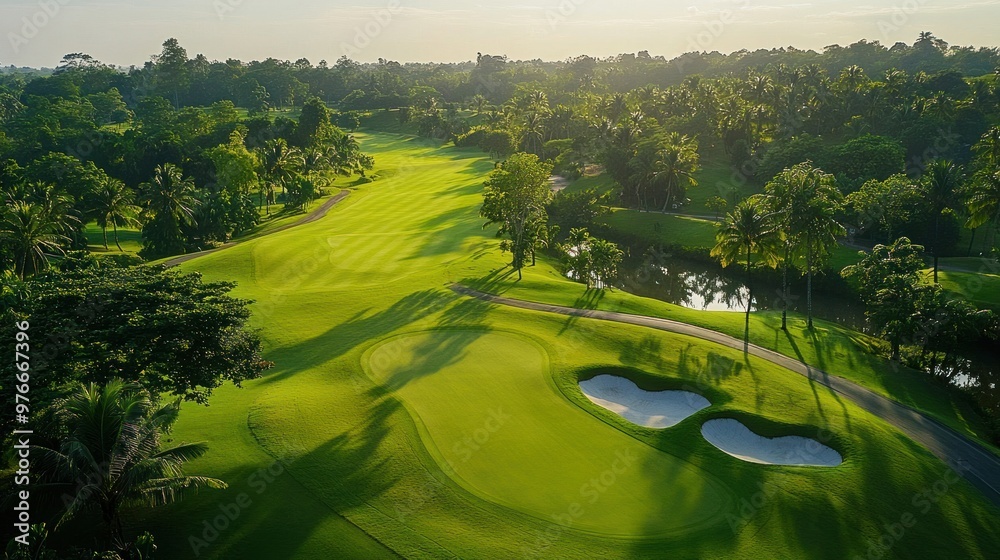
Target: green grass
{"x": 982, "y": 290}
{"x": 663, "y": 229}
{"x": 602, "y": 183}
{"x": 130, "y": 239}
{"x": 383, "y": 373}
{"x": 716, "y": 178}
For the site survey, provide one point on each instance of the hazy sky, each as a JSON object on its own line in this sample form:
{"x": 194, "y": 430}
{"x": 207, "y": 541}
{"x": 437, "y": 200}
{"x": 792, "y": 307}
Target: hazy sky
{"x": 40, "y": 32}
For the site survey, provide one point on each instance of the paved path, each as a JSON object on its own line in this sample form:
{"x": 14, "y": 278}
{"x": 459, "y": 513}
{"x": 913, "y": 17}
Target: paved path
{"x": 968, "y": 457}
{"x": 316, "y": 214}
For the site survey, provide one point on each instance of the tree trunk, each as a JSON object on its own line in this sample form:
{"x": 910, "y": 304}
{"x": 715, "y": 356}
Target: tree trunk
{"x": 895, "y": 351}
{"x": 809, "y": 281}
{"x": 105, "y": 231}
{"x": 972, "y": 242}
{"x": 746, "y": 329}
{"x": 784, "y": 290}
{"x": 117, "y": 244}
{"x": 937, "y": 242}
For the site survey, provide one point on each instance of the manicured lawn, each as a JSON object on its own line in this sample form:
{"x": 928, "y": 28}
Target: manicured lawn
{"x": 668, "y": 230}
{"x": 130, "y": 239}
{"x": 386, "y": 382}
{"x": 980, "y": 289}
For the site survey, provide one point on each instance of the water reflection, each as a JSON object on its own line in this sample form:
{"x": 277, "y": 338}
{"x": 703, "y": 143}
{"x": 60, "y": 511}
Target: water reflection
{"x": 707, "y": 288}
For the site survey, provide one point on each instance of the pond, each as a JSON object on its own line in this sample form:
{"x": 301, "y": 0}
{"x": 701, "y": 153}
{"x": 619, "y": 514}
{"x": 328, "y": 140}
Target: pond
{"x": 711, "y": 288}
{"x": 707, "y": 287}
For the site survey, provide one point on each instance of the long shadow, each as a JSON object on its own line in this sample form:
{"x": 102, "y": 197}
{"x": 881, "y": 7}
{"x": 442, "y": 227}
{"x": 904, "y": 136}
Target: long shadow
{"x": 591, "y": 299}
{"x": 284, "y": 492}
{"x": 813, "y": 375}
{"x": 357, "y": 330}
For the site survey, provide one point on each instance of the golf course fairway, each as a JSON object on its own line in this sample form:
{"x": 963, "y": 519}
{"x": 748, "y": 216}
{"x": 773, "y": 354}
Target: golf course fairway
{"x": 404, "y": 420}
{"x": 536, "y": 436}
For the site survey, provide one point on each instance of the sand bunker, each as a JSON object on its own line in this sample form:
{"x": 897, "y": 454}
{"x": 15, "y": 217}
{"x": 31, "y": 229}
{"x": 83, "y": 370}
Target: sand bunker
{"x": 652, "y": 410}
{"x": 735, "y": 439}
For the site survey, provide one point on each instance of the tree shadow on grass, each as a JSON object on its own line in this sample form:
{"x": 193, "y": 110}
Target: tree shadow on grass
{"x": 815, "y": 374}
{"x": 359, "y": 329}
{"x": 289, "y": 498}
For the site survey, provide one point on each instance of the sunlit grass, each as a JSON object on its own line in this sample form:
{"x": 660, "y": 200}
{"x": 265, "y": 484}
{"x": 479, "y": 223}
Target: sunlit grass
{"x": 368, "y": 428}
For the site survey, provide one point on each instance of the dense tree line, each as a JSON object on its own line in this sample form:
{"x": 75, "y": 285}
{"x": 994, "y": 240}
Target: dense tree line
{"x": 74, "y": 150}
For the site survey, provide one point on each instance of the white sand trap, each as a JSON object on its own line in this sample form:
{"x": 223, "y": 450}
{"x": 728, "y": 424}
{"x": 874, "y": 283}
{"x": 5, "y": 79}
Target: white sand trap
{"x": 732, "y": 437}
{"x": 652, "y": 410}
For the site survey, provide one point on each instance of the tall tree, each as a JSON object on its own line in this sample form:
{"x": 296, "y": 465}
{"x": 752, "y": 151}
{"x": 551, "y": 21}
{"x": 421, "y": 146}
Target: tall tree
{"x": 984, "y": 192}
{"x": 279, "y": 163}
{"x": 169, "y": 204}
{"x": 114, "y": 204}
{"x": 805, "y": 201}
{"x": 515, "y": 198}
{"x": 171, "y": 69}
{"x": 748, "y": 231}
{"x": 111, "y": 459}
{"x": 941, "y": 181}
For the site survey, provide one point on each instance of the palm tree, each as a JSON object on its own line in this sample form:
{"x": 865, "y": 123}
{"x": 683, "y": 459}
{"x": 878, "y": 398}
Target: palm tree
{"x": 984, "y": 191}
{"x": 480, "y": 103}
{"x": 169, "y": 204}
{"x": 56, "y": 203}
{"x": 748, "y": 231}
{"x": 32, "y": 234}
{"x": 675, "y": 166}
{"x": 114, "y": 204}
{"x": 112, "y": 460}
{"x": 533, "y": 135}
{"x": 804, "y": 200}
{"x": 942, "y": 180}
{"x": 279, "y": 163}
{"x": 814, "y": 222}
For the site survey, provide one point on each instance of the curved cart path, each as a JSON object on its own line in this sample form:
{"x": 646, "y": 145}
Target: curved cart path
{"x": 978, "y": 465}
{"x": 316, "y": 214}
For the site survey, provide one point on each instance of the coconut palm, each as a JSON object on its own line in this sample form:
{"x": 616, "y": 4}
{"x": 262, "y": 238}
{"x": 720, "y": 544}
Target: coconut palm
{"x": 278, "y": 164}
{"x": 114, "y": 204}
{"x": 813, "y": 222}
{"x": 56, "y": 203}
{"x": 169, "y": 204}
{"x": 748, "y": 231}
{"x": 675, "y": 166}
{"x": 942, "y": 178}
{"x": 32, "y": 235}
{"x": 983, "y": 198}
{"x": 111, "y": 459}
{"x": 803, "y": 200}
{"x": 533, "y": 134}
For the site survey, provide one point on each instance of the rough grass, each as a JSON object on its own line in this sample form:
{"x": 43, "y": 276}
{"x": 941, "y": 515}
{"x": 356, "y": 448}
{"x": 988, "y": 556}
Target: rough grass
{"x": 381, "y": 371}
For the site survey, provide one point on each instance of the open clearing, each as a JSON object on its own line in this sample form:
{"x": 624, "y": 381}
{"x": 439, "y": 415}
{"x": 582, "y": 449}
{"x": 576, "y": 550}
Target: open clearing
{"x": 368, "y": 461}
